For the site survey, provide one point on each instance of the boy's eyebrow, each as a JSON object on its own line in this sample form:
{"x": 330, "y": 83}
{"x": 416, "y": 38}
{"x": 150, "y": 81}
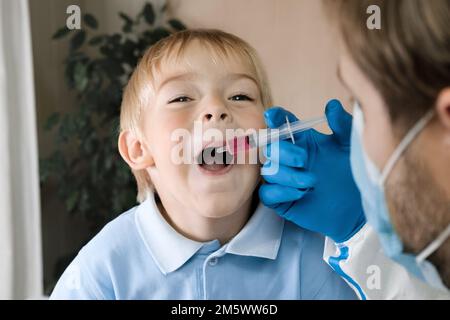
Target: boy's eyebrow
{"x": 236, "y": 76}
{"x": 192, "y": 75}
{"x": 181, "y": 76}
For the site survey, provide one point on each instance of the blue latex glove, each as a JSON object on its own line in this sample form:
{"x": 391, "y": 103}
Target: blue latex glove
{"x": 314, "y": 186}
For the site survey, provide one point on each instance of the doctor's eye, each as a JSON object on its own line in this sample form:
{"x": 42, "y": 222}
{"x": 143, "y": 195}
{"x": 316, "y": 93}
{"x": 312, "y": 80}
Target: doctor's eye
{"x": 180, "y": 99}
{"x": 241, "y": 97}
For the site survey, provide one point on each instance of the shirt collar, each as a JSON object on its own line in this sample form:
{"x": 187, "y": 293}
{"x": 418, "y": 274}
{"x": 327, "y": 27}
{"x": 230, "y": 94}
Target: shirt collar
{"x": 260, "y": 237}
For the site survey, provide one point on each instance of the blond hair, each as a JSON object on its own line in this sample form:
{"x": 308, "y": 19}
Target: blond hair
{"x": 140, "y": 86}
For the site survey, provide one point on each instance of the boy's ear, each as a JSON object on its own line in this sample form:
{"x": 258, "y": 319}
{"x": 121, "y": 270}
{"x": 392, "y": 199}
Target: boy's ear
{"x": 443, "y": 108}
{"x": 134, "y": 152}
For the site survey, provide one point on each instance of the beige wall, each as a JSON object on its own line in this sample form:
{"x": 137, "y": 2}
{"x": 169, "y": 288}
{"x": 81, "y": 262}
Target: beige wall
{"x": 291, "y": 36}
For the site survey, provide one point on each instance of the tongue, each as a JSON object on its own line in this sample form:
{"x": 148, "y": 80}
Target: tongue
{"x": 213, "y": 167}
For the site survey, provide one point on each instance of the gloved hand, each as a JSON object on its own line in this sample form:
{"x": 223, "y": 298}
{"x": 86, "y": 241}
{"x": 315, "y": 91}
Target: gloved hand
{"x": 314, "y": 186}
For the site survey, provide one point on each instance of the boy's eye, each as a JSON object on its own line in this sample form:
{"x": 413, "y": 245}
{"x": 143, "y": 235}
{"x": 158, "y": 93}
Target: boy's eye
{"x": 180, "y": 99}
{"x": 241, "y": 97}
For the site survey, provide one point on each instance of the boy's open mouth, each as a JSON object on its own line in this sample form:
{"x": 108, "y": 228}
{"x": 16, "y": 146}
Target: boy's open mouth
{"x": 213, "y": 161}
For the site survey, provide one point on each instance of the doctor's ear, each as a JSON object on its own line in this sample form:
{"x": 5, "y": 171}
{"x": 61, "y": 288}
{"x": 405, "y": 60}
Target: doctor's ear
{"x": 443, "y": 108}
{"x": 134, "y": 151}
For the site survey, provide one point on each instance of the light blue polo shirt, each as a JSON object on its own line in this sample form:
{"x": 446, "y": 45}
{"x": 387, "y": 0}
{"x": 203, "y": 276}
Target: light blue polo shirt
{"x": 140, "y": 256}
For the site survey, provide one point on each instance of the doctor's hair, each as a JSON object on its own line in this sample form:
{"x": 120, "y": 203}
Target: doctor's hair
{"x": 141, "y": 86}
{"x": 408, "y": 59}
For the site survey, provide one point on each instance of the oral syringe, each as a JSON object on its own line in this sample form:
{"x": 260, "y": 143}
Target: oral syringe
{"x": 285, "y": 131}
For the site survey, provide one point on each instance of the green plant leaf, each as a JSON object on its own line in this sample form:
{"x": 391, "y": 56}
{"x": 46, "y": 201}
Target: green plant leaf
{"x": 77, "y": 40}
{"x": 127, "y": 28}
{"x": 113, "y": 68}
{"x": 96, "y": 40}
{"x": 149, "y": 13}
{"x": 160, "y": 33}
{"x": 60, "y": 33}
{"x": 52, "y": 120}
{"x": 71, "y": 201}
{"x": 116, "y": 38}
{"x": 177, "y": 24}
{"x": 80, "y": 77}
{"x": 90, "y": 21}
{"x": 128, "y": 52}
{"x": 125, "y": 18}
{"x": 127, "y": 22}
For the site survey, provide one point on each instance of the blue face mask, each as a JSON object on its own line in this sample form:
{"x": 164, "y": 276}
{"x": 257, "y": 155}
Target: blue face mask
{"x": 370, "y": 182}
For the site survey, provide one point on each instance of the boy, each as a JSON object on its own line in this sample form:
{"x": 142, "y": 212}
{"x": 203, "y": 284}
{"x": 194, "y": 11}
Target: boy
{"x": 199, "y": 232}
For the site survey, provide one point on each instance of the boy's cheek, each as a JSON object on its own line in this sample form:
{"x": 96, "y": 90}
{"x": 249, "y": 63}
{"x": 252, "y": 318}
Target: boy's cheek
{"x": 258, "y": 120}
{"x": 252, "y": 119}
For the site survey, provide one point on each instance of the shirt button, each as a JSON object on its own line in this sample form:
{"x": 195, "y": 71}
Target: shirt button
{"x": 213, "y": 261}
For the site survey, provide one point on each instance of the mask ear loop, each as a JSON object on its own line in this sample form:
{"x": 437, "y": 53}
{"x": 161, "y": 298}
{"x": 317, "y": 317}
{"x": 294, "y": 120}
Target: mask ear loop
{"x": 410, "y": 136}
{"x": 433, "y": 246}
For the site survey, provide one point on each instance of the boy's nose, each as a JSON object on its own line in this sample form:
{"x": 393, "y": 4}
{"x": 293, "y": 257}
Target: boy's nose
{"x": 215, "y": 116}
{"x": 216, "y": 112}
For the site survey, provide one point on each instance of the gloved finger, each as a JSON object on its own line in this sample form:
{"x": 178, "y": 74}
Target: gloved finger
{"x": 289, "y": 176}
{"x": 276, "y": 117}
{"x": 340, "y": 121}
{"x": 274, "y": 194}
{"x": 286, "y": 153}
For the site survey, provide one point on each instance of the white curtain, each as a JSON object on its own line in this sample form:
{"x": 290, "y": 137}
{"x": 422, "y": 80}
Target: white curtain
{"x": 20, "y": 230}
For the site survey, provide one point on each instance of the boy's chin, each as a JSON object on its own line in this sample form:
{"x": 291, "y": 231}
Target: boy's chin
{"x": 220, "y": 206}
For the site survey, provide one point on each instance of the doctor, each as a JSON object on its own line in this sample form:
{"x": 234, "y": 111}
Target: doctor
{"x": 398, "y": 150}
